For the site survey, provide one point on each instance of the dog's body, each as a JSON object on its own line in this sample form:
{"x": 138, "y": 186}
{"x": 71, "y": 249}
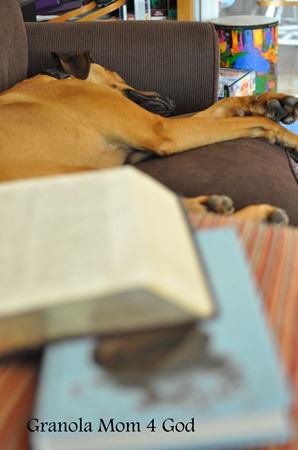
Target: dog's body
{"x": 89, "y": 122}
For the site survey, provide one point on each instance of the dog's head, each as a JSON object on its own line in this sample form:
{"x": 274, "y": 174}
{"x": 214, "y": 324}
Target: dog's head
{"x": 81, "y": 66}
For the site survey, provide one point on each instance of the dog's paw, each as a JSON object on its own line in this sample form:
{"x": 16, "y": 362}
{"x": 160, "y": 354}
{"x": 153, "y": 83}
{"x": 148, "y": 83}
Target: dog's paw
{"x": 283, "y": 109}
{"x": 220, "y": 204}
{"x": 279, "y": 217}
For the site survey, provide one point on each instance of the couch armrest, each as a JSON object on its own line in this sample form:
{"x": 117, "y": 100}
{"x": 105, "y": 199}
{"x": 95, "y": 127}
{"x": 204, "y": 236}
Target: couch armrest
{"x": 177, "y": 59}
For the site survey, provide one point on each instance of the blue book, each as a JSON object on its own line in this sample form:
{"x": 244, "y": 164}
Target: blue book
{"x": 232, "y": 392}
{"x": 292, "y": 127}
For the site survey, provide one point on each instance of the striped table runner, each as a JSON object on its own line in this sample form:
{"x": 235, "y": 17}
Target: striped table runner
{"x": 18, "y": 379}
{"x": 273, "y": 253}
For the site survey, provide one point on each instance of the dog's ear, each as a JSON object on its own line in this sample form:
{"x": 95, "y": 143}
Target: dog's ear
{"x": 76, "y": 65}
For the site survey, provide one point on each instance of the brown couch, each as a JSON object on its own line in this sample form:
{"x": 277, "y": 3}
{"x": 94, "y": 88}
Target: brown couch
{"x": 179, "y": 60}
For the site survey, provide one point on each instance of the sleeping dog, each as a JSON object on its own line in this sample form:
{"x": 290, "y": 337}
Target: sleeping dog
{"x": 91, "y": 119}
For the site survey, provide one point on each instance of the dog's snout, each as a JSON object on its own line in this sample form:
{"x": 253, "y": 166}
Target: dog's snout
{"x": 165, "y": 105}
{"x": 153, "y": 102}
{"x": 170, "y": 104}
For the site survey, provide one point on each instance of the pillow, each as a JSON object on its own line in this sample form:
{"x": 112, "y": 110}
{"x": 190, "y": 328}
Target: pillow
{"x": 250, "y": 171}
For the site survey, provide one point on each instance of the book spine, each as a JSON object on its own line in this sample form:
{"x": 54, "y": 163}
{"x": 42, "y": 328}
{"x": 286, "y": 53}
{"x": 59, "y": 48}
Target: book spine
{"x": 159, "y": 9}
{"x": 142, "y": 9}
{"x": 123, "y": 12}
{"x": 206, "y": 10}
{"x": 226, "y": 90}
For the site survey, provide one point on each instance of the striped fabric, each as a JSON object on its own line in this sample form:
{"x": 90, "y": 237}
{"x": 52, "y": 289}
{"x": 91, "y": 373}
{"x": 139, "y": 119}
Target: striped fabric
{"x": 18, "y": 380}
{"x": 273, "y": 253}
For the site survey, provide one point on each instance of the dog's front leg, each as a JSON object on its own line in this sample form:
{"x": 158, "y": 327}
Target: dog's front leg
{"x": 275, "y": 106}
{"x": 180, "y": 134}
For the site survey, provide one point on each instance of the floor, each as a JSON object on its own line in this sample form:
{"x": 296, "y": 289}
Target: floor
{"x": 288, "y": 69}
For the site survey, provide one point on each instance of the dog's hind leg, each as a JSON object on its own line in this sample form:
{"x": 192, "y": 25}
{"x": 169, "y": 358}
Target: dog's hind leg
{"x": 263, "y": 213}
{"x": 222, "y": 204}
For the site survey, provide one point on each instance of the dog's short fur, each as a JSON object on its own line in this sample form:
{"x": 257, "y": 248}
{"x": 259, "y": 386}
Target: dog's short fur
{"x": 94, "y": 120}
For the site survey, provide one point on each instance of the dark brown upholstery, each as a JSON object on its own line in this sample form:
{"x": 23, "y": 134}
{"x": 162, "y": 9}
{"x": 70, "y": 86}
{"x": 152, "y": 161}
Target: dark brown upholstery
{"x": 251, "y": 171}
{"x": 13, "y": 48}
{"x": 179, "y": 60}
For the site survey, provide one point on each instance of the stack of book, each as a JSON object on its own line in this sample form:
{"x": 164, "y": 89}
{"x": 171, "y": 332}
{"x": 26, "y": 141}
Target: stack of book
{"x": 130, "y": 10}
{"x": 146, "y": 10}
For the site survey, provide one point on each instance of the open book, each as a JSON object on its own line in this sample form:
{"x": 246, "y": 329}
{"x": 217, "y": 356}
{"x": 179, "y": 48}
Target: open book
{"x": 101, "y": 252}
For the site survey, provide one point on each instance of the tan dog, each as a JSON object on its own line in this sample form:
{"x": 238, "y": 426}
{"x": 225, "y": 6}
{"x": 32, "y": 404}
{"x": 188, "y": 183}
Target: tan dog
{"x": 93, "y": 120}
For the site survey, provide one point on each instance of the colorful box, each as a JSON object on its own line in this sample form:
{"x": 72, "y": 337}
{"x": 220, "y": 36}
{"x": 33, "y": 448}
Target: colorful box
{"x": 236, "y": 83}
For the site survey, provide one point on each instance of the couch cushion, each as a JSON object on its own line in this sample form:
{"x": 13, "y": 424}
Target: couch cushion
{"x": 250, "y": 171}
{"x": 13, "y": 48}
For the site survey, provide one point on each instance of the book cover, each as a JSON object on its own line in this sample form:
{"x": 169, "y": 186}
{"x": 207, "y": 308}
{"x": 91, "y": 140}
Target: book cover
{"x": 95, "y": 252}
{"x": 159, "y": 9}
{"x": 230, "y": 393}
